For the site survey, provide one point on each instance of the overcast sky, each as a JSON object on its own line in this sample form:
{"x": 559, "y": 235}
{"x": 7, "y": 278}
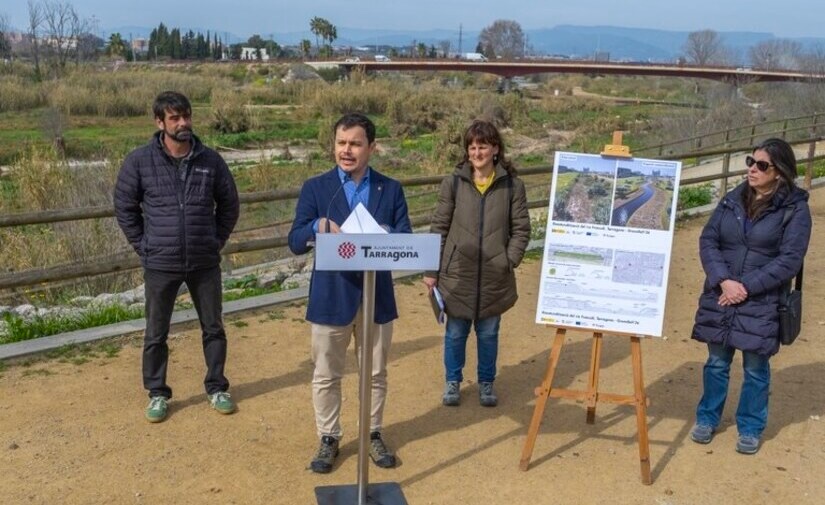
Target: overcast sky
{"x": 789, "y": 18}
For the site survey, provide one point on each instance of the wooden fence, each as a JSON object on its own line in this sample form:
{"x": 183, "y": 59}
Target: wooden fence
{"x": 127, "y": 260}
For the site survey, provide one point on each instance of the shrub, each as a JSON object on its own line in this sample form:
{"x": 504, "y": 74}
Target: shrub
{"x": 695, "y": 196}
{"x": 230, "y": 113}
{"x": 126, "y": 93}
{"x": 17, "y": 94}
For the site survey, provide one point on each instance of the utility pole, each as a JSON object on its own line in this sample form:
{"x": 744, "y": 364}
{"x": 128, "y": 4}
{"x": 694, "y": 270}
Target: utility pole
{"x": 460, "y": 28}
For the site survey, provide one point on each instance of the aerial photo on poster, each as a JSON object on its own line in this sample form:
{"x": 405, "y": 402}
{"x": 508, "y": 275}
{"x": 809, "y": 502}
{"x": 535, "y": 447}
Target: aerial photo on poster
{"x": 585, "y": 189}
{"x": 644, "y": 194}
{"x": 608, "y": 243}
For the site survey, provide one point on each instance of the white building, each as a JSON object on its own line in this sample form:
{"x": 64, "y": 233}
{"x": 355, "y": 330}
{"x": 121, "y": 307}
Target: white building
{"x": 250, "y": 53}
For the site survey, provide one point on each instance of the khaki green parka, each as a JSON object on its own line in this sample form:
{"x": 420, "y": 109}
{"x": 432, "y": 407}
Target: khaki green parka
{"x": 483, "y": 239}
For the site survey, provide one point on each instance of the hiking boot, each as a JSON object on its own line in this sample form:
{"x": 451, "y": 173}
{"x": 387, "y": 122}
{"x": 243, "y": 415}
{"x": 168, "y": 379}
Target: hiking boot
{"x": 221, "y": 402}
{"x": 325, "y": 456}
{"x": 380, "y": 455}
{"x": 451, "y": 397}
{"x": 747, "y": 444}
{"x": 486, "y": 396}
{"x": 156, "y": 410}
{"x": 701, "y": 433}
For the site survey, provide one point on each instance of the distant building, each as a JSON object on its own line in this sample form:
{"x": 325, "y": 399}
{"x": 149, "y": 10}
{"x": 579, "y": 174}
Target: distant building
{"x": 140, "y": 46}
{"x": 251, "y": 53}
{"x": 624, "y": 172}
{"x": 15, "y": 37}
{"x": 61, "y": 43}
{"x": 601, "y": 56}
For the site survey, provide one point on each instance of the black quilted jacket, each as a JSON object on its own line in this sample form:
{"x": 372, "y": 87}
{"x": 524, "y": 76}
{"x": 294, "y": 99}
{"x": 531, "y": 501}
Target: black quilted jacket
{"x": 176, "y": 220}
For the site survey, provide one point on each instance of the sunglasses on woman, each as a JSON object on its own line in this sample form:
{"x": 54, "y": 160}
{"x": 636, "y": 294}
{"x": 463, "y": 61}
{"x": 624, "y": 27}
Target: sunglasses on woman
{"x": 763, "y": 166}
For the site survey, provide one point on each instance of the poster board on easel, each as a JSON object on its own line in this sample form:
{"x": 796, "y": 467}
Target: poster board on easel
{"x": 608, "y": 242}
{"x": 605, "y": 266}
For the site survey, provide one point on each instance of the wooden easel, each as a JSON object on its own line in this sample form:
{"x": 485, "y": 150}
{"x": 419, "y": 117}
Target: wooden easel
{"x": 592, "y": 395}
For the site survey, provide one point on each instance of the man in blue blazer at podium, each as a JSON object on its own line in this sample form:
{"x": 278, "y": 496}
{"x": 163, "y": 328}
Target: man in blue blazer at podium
{"x": 334, "y": 307}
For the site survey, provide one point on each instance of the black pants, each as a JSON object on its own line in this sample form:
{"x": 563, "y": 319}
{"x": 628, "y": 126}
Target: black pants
{"x": 161, "y": 291}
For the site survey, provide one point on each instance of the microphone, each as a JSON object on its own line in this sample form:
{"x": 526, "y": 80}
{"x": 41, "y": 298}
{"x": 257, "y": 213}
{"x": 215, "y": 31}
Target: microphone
{"x": 347, "y": 178}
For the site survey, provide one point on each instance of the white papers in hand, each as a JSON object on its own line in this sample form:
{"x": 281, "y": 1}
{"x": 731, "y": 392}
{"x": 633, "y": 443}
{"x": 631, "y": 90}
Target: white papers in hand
{"x": 437, "y": 303}
{"x": 360, "y": 221}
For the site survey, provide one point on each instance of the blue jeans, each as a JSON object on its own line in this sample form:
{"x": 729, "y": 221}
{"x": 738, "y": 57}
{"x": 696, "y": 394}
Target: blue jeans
{"x": 455, "y": 347}
{"x": 752, "y": 413}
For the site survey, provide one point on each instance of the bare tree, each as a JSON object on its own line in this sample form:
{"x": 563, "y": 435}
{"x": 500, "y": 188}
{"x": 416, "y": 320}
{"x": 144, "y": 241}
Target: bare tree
{"x": 810, "y": 96}
{"x": 705, "y": 47}
{"x": 62, "y": 27}
{"x": 5, "y": 43}
{"x": 444, "y": 47}
{"x": 35, "y": 25}
{"x": 503, "y": 38}
{"x": 88, "y": 43}
{"x": 776, "y": 54}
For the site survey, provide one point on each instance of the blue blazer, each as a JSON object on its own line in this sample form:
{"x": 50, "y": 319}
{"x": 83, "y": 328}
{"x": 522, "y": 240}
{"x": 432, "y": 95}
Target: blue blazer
{"x": 334, "y": 297}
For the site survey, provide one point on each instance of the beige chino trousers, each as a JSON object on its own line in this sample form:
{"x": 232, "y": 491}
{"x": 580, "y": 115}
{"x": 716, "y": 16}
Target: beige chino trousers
{"x": 329, "y": 349}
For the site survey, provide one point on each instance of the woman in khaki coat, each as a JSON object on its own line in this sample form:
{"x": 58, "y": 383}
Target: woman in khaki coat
{"x": 484, "y": 224}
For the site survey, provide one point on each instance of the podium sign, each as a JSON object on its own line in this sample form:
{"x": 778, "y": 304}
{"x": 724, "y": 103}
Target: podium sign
{"x": 377, "y": 252}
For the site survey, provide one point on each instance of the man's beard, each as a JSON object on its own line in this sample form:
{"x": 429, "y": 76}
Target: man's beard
{"x": 182, "y": 135}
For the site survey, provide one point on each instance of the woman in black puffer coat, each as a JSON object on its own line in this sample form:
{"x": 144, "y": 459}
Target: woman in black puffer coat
{"x": 751, "y": 248}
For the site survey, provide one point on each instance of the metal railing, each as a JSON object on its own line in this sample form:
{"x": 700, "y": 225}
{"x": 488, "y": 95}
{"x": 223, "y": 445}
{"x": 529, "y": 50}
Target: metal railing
{"x": 741, "y": 136}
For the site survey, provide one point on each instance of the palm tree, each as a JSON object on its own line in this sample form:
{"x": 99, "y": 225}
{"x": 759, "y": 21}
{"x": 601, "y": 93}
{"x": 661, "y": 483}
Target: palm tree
{"x": 117, "y": 46}
{"x": 328, "y": 34}
{"x": 306, "y": 47}
{"x": 317, "y": 26}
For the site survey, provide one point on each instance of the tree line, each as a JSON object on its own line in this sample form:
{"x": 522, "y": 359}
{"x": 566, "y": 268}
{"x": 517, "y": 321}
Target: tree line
{"x": 166, "y": 43}
{"x": 56, "y": 34}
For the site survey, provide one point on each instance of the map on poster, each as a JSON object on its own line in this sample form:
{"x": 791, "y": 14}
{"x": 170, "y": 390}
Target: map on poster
{"x": 608, "y": 243}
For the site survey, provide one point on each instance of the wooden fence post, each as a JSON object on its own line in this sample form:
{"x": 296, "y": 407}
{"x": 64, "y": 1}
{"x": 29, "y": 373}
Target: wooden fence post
{"x": 725, "y": 171}
{"x": 811, "y": 153}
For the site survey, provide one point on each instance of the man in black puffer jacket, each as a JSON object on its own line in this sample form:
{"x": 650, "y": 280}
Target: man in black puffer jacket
{"x": 177, "y": 204}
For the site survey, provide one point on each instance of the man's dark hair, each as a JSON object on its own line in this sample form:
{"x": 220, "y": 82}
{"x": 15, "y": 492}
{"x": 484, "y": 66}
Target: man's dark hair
{"x": 351, "y": 119}
{"x": 171, "y": 100}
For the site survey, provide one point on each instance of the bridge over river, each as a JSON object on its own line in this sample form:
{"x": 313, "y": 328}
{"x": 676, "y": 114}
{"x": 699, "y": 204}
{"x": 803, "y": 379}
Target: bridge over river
{"x": 527, "y": 67}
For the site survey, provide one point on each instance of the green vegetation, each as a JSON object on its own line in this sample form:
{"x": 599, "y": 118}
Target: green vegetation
{"x": 19, "y": 329}
{"x": 42, "y": 372}
{"x": 81, "y": 353}
{"x": 695, "y": 196}
{"x": 580, "y": 257}
{"x": 626, "y": 186}
{"x": 564, "y": 182}
{"x": 246, "y": 287}
{"x": 538, "y": 227}
{"x": 533, "y": 255}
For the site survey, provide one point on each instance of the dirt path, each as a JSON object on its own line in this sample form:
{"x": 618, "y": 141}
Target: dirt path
{"x": 75, "y": 433}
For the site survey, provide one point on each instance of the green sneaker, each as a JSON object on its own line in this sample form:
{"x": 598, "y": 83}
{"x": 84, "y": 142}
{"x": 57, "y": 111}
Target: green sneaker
{"x": 221, "y": 402}
{"x": 156, "y": 411}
